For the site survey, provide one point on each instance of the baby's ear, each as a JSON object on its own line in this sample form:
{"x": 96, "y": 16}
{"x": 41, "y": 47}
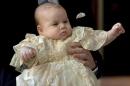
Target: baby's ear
{"x": 38, "y": 28}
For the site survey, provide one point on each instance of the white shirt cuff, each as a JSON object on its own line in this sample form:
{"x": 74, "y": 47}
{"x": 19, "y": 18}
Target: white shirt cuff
{"x": 95, "y": 70}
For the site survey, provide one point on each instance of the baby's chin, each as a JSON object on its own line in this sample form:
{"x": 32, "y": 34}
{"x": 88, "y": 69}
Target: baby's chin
{"x": 65, "y": 37}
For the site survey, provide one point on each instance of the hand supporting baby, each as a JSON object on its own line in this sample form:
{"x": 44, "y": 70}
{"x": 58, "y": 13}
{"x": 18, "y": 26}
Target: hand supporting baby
{"x": 27, "y": 53}
{"x": 82, "y": 55}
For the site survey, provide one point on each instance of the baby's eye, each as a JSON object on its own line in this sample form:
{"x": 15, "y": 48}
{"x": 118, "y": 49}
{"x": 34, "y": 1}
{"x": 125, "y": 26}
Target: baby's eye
{"x": 55, "y": 24}
{"x": 66, "y": 21}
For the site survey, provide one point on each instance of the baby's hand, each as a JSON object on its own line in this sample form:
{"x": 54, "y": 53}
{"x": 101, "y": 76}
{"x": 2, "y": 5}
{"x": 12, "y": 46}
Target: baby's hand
{"x": 113, "y": 33}
{"x": 27, "y": 53}
{"x": 118, "y": 29}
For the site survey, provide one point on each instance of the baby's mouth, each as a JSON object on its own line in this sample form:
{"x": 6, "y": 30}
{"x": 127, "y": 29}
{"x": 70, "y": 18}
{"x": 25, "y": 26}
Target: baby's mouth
{"x": 63, "y": 33}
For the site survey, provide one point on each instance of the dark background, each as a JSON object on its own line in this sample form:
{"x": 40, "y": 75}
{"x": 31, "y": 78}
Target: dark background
{"x": 16, "y": 21}
{"x": 117, "y": 56}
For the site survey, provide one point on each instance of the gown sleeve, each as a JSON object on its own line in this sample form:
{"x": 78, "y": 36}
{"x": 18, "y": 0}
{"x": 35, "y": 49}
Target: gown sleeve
{"x": 91, "y": 39}
{"x": 30, "y": 40}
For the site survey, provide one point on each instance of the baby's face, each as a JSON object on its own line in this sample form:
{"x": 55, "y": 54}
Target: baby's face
{"x": 54, "y": 24}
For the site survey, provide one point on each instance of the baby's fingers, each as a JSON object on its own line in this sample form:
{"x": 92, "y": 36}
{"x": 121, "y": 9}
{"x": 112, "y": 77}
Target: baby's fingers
{"x": 24, "y": 56}
{"x": 123, "y": 30}
{"x": 32, "y": 53}
{"x": 119, "y": 28}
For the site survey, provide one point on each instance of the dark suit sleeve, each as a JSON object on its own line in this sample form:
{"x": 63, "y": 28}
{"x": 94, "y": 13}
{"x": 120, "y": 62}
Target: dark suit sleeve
{"x": 99, "y": 63}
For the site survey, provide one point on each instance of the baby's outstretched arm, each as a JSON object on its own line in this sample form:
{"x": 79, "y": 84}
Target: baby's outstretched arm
{"x": 27, "y": 53}
{"x": 116, "y": 30}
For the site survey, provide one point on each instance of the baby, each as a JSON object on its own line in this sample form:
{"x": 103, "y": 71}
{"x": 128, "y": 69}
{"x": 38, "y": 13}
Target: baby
{"x": 45, "y": 55}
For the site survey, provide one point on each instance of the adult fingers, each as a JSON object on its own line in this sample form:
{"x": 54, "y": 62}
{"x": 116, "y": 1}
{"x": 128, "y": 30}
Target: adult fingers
{"x": 75, "y": 45}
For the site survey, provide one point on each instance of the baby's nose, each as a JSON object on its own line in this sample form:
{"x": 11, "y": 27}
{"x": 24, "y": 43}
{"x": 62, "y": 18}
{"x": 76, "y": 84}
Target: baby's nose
{"x": 62, "y": 26}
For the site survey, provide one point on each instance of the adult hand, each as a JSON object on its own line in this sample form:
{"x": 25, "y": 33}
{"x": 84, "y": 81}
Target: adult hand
{"x": 82, "y": 55}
